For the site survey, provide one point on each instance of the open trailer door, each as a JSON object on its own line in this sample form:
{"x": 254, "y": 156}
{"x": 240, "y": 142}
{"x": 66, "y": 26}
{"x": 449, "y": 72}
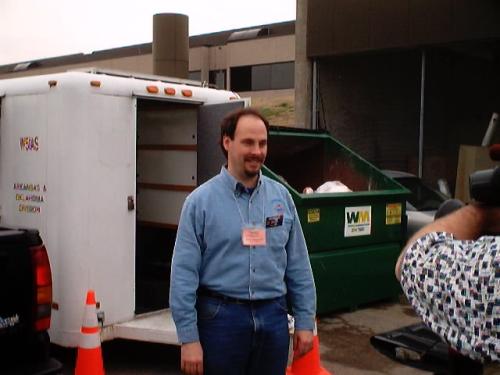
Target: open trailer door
{"x": 210, "y": 157}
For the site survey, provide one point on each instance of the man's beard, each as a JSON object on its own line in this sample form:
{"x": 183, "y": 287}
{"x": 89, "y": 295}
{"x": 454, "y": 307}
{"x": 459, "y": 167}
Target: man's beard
{"x": 253, "y": 173}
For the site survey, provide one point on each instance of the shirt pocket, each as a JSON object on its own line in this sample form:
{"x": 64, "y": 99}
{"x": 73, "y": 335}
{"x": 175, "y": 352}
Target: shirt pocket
{"x": 278, "y": 236}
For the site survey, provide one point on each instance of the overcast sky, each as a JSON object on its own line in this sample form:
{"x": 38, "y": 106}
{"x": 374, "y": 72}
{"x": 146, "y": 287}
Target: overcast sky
{"x": 35, "y": 29}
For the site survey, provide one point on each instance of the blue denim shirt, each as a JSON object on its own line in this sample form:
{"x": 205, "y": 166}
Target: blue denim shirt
{"x": 209, "y": 251}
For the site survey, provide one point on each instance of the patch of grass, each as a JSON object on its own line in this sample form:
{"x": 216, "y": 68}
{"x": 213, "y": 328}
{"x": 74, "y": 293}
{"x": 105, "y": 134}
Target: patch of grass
{"x": 267, "y": 112}
{"x": 276, "y": 111}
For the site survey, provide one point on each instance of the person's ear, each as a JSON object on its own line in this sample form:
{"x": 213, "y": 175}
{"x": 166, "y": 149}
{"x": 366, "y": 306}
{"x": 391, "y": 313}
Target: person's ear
{"x": 225, "y": 142}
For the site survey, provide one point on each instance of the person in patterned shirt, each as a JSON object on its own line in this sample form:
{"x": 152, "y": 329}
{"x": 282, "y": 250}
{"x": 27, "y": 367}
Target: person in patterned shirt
{"x": 450, "y": 273}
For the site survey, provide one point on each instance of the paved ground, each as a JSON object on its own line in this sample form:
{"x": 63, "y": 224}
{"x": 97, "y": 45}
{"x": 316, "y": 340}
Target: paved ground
{"x": 344, "y": 346}
{"x": 345, "y": 340}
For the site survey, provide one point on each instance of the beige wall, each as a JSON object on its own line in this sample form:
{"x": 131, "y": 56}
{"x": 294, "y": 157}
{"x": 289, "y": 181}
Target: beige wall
{"x": 199, "y": 60}
{"x": 241, "y": 53}
{"x": 261, "y": 51}
{"x": 218, "y": 58}
{"x": 139, "y": 64}
{"x": 248, "y": 52}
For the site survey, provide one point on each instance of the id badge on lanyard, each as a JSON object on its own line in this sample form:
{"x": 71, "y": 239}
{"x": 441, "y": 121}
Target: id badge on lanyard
{"x": 253, "y": 235}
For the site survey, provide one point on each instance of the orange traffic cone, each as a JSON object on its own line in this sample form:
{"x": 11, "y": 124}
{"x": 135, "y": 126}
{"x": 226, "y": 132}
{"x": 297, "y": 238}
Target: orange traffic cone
{"x": 89, "y": 357}
{"x": 308, "y": 364}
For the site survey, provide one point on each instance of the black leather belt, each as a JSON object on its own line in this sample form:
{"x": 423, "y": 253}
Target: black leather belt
{"x": 221, "y": 297}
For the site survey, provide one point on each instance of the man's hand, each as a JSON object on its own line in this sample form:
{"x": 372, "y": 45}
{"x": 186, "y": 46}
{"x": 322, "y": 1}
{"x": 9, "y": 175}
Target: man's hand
{"x": 192, "y": 358}
{"x": 302, "y": 342}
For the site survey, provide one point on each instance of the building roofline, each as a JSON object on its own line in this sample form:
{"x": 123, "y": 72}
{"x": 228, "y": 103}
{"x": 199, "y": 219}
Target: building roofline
{"x": 210, "y": 39}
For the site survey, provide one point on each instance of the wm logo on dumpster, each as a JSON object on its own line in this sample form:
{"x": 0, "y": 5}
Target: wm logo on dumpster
{"x": 358, "y": 217}
{"x": 358, "y": 221}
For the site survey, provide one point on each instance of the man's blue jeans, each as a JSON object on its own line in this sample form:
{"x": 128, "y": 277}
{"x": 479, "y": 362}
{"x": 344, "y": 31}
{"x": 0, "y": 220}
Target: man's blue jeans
{"x": 243, "y": 339}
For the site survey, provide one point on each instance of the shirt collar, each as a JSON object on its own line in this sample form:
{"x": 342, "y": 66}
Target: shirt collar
{"x": 236, "y": 186}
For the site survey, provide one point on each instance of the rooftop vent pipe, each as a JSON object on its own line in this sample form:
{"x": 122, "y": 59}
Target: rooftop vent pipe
{"x": 171, "y": 45}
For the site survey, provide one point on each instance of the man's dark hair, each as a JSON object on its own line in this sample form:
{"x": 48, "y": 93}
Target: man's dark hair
{"x": 228, "y": 125}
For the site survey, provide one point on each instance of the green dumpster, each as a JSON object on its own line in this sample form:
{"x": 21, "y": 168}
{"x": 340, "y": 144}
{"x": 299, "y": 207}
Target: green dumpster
{"x": 353, "y": 237}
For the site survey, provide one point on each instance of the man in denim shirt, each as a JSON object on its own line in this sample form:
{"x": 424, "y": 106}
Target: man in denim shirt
{"x": 239, "y": 251}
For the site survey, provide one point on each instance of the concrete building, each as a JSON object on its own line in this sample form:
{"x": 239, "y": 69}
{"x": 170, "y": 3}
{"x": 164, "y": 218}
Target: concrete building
{"x": 403, "y": 83}
{"x": 256, "y": 62}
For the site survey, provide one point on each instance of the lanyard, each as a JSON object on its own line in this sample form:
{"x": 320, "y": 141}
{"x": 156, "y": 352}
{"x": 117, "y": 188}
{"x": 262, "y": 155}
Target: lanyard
{"x": 241, "y": 215}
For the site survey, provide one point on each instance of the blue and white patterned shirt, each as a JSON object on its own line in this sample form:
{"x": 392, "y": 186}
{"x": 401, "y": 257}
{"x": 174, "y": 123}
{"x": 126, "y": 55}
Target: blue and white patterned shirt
{"x": 454, "y": 286}
{"x": 209, "y": 251}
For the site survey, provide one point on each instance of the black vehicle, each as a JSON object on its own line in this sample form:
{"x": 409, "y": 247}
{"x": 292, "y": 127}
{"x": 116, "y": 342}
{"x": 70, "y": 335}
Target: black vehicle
{"x": 25, "y": 304}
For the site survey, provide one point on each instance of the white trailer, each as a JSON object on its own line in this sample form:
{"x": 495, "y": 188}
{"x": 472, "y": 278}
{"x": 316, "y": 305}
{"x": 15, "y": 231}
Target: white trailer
{"x": 100, "y": 163}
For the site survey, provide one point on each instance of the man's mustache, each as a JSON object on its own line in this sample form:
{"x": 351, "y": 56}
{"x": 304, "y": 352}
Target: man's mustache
{"x": 255, "y": 158}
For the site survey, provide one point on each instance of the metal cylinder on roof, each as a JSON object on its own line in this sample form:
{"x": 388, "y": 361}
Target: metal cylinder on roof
{"x": 171, "y": 45}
